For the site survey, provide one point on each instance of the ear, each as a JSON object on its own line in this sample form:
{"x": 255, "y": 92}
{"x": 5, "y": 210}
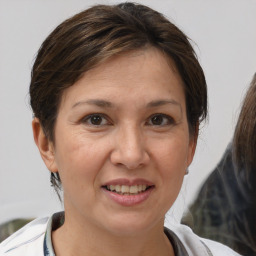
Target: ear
{"x": 44, "y": 145}
{"x": 192, "y": 144}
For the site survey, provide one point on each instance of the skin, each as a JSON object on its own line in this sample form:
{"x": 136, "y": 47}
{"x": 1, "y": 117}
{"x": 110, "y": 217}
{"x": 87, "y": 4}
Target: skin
{"x": 141, "y": 132}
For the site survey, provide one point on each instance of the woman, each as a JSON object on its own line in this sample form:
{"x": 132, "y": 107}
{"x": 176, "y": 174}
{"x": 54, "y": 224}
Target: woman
{"x": 118, "y": 95}
{"x": 225, "y": 208}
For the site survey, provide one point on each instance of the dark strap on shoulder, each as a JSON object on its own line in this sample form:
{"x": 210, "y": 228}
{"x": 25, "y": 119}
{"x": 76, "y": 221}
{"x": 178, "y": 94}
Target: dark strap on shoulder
{"x": 178, "y": 246}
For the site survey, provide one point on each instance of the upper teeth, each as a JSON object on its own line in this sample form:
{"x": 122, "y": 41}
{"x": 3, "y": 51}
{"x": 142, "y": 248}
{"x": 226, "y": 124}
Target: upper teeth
{"x": 127, "y": 189}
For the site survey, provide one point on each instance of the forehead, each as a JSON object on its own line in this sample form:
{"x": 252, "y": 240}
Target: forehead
{"x": 146, "y": 73}
{"x": 145, "y": 59}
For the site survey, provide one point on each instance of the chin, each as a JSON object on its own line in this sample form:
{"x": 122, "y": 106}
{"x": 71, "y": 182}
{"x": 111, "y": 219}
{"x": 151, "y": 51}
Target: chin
{"x": 133, "y": 225}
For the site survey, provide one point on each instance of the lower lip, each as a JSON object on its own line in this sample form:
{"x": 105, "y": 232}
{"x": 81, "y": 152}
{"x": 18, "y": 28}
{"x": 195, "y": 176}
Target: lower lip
{"x": 129, "y": 200}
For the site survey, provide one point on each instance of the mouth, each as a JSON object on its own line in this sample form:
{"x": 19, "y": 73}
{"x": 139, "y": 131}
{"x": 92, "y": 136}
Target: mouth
{"x": 128, "y": 190}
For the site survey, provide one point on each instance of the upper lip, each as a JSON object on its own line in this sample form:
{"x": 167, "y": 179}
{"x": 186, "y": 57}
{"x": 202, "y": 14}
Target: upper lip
{"x": 129, "y": 182}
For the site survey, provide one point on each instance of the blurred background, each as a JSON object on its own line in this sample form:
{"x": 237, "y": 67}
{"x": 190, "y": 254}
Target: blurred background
{"x": 224, "y": 37}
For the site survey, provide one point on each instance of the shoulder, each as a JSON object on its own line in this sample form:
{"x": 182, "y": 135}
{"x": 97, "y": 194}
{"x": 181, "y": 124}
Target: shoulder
{"x": 217, "y": 248}
{"x": 26, "y": 241}
{"x": 198, "y": 246}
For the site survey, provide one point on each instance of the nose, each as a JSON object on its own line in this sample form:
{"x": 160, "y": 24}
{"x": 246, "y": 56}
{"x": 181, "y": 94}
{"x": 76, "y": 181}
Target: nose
{"x": 129, "y": 150}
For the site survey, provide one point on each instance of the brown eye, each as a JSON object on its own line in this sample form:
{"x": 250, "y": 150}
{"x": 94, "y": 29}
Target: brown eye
{"x": 160, "y": 120}
{"x": 95, "y": 120}
{"x": 157, "y": 120}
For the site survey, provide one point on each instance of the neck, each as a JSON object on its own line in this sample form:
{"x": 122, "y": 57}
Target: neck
{"x": 76, "y": 239}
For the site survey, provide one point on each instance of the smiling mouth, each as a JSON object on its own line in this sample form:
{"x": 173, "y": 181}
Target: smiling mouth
{"x": 127, "y": 190}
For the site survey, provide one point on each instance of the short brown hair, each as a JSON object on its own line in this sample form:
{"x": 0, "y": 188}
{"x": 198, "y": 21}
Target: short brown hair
{"x": 98, "y": 33}
{"x": 244, "y": 142}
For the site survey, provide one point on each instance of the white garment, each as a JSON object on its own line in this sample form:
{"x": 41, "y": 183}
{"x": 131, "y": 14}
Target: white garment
{"x": 197, "y": 246}
{"x": 29, "y": 241}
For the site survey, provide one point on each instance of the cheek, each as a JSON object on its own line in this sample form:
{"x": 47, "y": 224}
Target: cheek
{"x": 172, "y": 154}
{"x": 171, "y": 163}
{"x": 170, "y": 159}
{"x": 79, "y": 158}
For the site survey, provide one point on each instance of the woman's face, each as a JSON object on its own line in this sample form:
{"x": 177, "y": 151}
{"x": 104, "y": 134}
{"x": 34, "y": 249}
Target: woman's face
{"x": 122, "y": 143}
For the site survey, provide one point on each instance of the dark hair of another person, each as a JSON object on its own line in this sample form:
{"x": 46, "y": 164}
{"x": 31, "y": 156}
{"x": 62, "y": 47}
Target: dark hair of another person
{"x": 244, "y": 142}
{"x": 97, "y": 34}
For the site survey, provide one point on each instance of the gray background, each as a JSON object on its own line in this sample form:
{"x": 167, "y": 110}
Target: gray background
{"x": 224, "y": 33}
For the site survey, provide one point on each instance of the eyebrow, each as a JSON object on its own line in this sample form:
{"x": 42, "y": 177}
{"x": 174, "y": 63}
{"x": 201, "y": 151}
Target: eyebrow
{"x": 158, "y": 103}
{"x": 97, "y": 102}
{"x": 108, "y": 104}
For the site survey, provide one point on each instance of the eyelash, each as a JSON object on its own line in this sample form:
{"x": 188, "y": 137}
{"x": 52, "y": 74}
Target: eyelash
{"x": 168, "y": 120}
{"x": 89, "y": 122}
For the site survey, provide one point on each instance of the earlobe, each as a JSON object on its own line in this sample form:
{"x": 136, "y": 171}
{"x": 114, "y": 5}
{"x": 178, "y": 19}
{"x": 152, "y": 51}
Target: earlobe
{"x": 45, "y": 146}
